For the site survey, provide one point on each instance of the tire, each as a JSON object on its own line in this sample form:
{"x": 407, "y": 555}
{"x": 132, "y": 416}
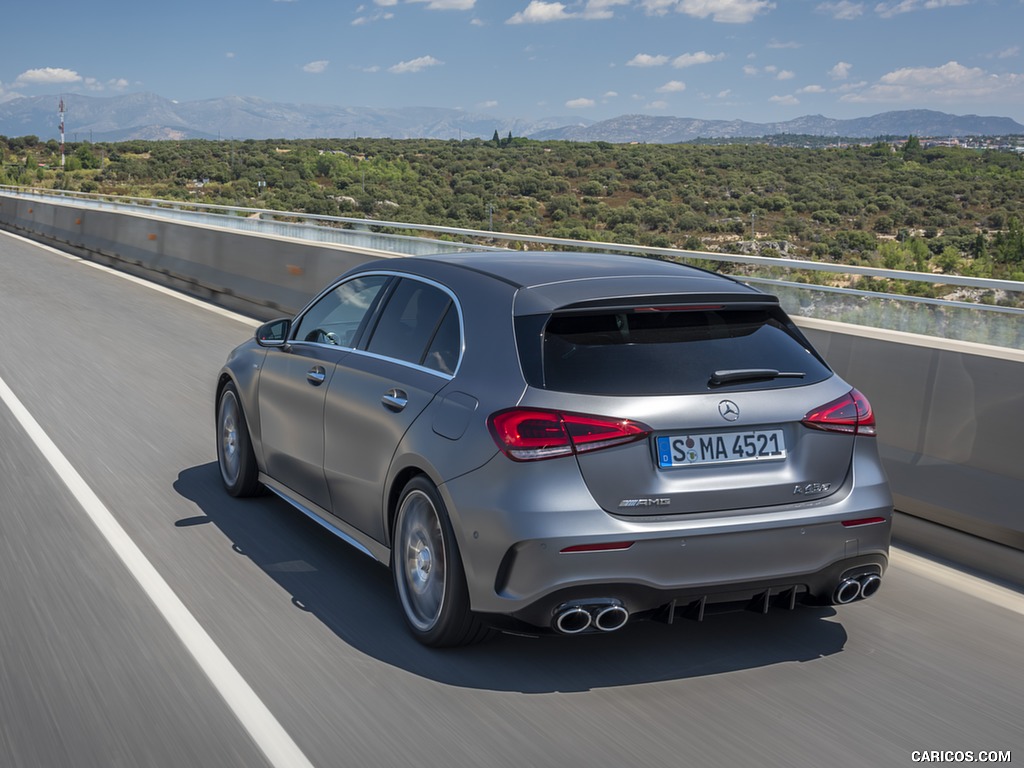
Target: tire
{"x": 428, "y": 573}
{"x": 235, "y": 456}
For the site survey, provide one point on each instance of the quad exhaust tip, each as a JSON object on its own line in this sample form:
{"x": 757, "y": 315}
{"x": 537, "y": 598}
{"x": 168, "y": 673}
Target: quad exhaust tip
{"x": 856, "y": 588}
{"x": 607, "y": 615}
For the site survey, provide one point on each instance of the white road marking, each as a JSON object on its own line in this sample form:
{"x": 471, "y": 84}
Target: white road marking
{"x": 139, "y": 281}
{"x": 268, "y": 734}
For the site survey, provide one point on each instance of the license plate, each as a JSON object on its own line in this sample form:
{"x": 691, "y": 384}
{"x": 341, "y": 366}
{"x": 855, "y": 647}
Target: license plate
{"x": 720, "y": 448}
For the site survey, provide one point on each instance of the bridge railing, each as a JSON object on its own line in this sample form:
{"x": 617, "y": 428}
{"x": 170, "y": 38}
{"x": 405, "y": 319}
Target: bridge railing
{"x": 806, "y": 288}
{"x": 946, "y": 378}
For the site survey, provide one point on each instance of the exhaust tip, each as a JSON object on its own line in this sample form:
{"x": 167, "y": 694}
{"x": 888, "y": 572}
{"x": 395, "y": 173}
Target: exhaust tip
{"x": 611, "y": 618}
{"x": 869, "y": 584}
{"x": 847, "y": 591}
{"x": 573, "y": 620}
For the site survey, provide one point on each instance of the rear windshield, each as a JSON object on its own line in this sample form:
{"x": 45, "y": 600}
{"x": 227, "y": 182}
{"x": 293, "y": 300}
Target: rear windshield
{"x": 652, "y": 351}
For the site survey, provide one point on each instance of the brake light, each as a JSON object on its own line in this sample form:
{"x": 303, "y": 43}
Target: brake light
{"x": 850, "y": 414}
{"x": 532, "y": 434}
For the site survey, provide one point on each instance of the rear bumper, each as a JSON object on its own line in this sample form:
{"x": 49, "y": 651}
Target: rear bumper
{"x": 643, "y": 601}
{"x": 513, "y": 541}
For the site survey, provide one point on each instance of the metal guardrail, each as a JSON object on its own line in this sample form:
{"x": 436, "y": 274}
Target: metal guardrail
{"x": 983, "y": 323}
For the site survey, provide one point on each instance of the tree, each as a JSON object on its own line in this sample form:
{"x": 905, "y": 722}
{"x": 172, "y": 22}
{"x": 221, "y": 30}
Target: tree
{"x": 912, "y": 149}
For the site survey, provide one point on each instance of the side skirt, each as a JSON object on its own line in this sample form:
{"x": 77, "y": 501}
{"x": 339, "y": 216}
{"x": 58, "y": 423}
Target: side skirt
{"x": 368, "y": 546}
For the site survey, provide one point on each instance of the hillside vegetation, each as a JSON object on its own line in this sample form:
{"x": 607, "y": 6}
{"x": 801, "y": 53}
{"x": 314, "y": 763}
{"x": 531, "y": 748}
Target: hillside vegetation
{"x": 902, "y": 206}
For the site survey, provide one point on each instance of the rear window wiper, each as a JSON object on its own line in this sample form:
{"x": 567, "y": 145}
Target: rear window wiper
{"x": 752, "y": 374}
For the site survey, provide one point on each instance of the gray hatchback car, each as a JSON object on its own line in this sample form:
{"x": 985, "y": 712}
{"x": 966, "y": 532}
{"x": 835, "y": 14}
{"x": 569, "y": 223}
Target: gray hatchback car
{"x": 562, "y": 442}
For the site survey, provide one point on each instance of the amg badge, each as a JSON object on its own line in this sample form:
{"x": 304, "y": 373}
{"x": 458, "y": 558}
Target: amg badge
{"x": 662, "y": 502}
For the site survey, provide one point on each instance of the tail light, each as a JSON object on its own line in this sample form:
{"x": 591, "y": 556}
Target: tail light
{"x": 532, "y": 434}
{"x": 850, "y": 414}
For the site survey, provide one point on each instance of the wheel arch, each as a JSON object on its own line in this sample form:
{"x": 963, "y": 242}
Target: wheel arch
{"x": 394, "y": 494}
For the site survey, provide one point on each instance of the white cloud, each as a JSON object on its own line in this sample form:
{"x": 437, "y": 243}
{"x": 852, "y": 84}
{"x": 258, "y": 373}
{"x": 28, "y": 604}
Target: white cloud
{"x": 724, "y": 94}
{"x": 657, "y": 7}
{"x": 601, "y": 9}
{"x": 647, "y": 60}
{"x": 788, "y": 100}
{"x": 812, "y": 89}
{"x": 657, "y": 105}
{"x": 116, "y": 84}
{"x": 749, "y": 69}
{"x": 47, "y": 76}
{"x": 672, "y": 86}
{"x": 778, "y": 45}
{"x": 382, "y": 3}
{"x": 888, "y": 10}
{"x": 840, "y": 71}
{"x": 851, "y": 87}
{"x": 692, "y": 59}
{"x": 610, "y": 95}
{"x": 785, "y": 74}
{"x": 447, "y": 5}
{"x": 487, "y": 104}
{"x": 844, "y": 10}
{"x": 541, "y": 12}
{"x": 316, "y": 67}
{"x": 951, "y": 83}
{"x": 951, "y": 73}
{"x": 580, "y": 103}
{"x": 538, "y": 12}
{"x": 725, "y": 11}
{"x": 361, "y": 20}
{"x": 415, "y": 65}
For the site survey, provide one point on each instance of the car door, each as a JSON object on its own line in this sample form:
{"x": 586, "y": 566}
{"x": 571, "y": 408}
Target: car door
{"x": 378, "y": 391}
{"x": 295, "y": 379}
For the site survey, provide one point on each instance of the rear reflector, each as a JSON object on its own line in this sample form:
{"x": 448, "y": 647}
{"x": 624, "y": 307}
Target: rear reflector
{"x": 863, "y": 521}
{"x": 611, "y": 546}
{"x": 850, "y": 414}
{"x": 533, "y": 434}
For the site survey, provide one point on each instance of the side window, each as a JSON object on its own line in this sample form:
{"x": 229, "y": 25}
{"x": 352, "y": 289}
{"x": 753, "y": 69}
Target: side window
{"x": 337, "y": 315}
{"x": 443, "y": 353}
{"x": 416, "y": 316}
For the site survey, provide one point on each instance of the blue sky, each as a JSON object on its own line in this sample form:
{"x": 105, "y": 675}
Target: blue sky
{"x": 757, "y": 60}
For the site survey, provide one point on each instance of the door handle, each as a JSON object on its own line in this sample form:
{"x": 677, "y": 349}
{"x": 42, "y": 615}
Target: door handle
{"x": 316, "y": 375}
{"x": 395, "y": 400}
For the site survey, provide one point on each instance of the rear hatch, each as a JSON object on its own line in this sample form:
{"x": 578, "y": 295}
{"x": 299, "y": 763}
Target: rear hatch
{"x": 722, "y": 402}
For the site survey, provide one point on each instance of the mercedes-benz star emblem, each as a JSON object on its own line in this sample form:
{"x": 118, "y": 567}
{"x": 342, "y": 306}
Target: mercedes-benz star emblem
{"x": 729, "y": 410}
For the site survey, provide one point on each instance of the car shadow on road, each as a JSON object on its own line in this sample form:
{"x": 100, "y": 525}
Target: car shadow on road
{"x": 353, "y": 596}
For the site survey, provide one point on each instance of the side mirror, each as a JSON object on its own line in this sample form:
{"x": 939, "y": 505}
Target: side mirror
{"x": 274, "y": 333}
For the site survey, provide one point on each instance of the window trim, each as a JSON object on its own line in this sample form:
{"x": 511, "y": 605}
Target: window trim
{"x": 374, "y": 313}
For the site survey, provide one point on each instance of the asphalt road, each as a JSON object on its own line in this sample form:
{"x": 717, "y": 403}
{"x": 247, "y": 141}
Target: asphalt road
{"x": 147, "y": 619}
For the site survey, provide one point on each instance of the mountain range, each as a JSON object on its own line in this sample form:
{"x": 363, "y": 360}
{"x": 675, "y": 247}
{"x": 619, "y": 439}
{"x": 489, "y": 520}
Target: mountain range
{"x": 151, "y": 117}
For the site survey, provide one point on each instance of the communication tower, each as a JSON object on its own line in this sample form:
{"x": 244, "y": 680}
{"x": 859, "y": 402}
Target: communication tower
{"x": 61, "y": 109}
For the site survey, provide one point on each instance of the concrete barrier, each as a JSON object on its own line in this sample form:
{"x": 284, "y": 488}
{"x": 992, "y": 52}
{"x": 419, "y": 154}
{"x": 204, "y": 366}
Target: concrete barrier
{"x": 259, "y": 275}
{"x": 951, "y": 414}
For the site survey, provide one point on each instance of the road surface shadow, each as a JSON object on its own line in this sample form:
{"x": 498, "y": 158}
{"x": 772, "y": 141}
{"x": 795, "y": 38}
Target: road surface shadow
{"x": 354, "y": 597}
